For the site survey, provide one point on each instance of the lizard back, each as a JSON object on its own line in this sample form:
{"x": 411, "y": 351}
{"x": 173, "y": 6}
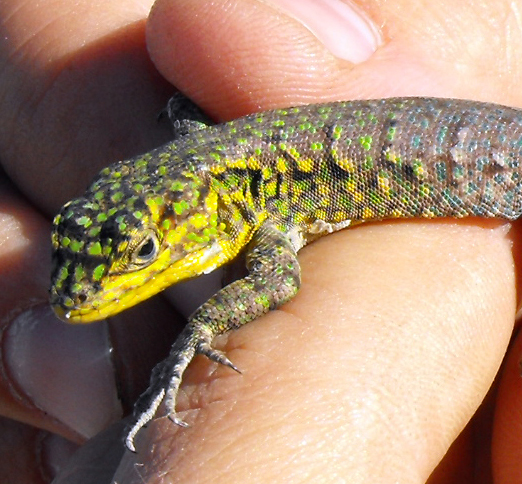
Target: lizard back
{"x": 317, "y": 167}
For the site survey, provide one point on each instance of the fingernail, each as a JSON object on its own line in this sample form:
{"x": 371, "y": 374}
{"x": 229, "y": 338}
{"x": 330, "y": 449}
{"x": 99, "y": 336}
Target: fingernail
{"x": 62, "y": 369}
{"x": 343, "y": 28}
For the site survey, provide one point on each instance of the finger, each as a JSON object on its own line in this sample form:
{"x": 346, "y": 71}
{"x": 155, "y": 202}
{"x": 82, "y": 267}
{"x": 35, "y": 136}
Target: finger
{"x": 79, "y": 92}
{"x": 245, "y": 56}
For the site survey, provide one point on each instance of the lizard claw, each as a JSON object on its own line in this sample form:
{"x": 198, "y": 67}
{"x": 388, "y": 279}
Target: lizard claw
{"x": 174, "y": 418}
{"x": 217, "y": 356}
{"x": 165, "y": 383}
{"x": 144, "y": 417}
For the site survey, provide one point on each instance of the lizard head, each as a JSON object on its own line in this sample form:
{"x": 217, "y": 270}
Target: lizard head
{"x": 135, "y": 232}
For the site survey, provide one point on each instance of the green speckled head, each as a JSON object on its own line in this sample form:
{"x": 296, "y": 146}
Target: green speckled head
{"x": 133, "y": 233}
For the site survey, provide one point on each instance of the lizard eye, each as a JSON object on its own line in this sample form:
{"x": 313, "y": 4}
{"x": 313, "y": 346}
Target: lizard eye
{"x": 146, "y": 251}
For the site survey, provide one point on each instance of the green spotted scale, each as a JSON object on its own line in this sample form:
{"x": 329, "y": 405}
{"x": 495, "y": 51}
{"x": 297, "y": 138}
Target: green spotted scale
{"x": 266, "y": 185}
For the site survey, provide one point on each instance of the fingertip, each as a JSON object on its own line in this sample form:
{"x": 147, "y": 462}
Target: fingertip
{"x": 233, "y": 57}
{"x": 342, "y": 27}
{"x": 62, "y": 376}
{"x": 236, "y": 57}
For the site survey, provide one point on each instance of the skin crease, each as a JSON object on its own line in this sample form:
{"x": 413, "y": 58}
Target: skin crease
{"x": 380, "y": 362}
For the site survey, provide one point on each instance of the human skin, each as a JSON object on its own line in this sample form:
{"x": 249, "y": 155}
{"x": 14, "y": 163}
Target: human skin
{"x": 381, "y": 361}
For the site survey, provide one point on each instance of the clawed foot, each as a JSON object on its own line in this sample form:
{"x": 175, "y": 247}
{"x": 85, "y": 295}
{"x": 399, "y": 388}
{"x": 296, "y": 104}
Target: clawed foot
{"x": 165, "y": 382}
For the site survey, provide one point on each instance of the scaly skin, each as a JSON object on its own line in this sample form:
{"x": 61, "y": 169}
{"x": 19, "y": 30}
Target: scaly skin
{"x": 270, "y": 183}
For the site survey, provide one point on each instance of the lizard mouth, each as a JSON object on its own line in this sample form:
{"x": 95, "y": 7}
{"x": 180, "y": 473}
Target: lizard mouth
{"x": 118, "y": 292}
{"x": 91, "y": 311}
{"x": 121, "y": 291}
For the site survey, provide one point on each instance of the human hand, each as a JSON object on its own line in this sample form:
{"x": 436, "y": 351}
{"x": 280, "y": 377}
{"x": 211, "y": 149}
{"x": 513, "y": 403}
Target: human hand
{"x": 396, "y": 335}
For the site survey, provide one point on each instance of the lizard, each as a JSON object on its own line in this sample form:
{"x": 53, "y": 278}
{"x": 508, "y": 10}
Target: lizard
{"x": 266, "y": 185}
